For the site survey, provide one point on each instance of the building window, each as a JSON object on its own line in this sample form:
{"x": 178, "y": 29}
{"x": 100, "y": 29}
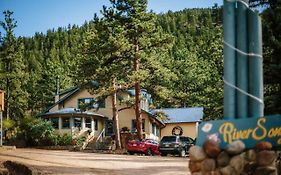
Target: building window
{"x": 88, "y": 123}
{"x": 90, "y": 103}
{"x": 96, "y": 124}
{"x": 55, "y": 122}
{"x": 134, "y": 125}
{"x": 77, "y": 122}
{"x": 65, "y": 123}
{"x": 101, "y": 103}
{"x": 155, "y": 129}
{"x": 109, "y": 128}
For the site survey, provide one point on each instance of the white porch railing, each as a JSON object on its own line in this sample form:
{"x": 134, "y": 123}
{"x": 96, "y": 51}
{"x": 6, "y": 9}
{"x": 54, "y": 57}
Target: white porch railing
{"x": 87, "y": 141}
{"x": 101, "y": 135}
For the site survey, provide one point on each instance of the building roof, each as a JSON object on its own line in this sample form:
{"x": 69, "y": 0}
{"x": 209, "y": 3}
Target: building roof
{"x": 70, "y": 93}
{"x": 72, "y": 111}
{"x": 181, "y": 115}
{"x": 151, "y": 115}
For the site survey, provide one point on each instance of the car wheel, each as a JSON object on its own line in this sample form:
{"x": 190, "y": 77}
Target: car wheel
{"x": 149, "y": 152}
{"x": 182, "y": 153}
{"x": 131, "y": 153}
{"x": 163, "y": 154}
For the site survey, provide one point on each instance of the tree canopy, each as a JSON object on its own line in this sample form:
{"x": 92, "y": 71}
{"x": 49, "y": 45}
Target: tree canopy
{"x": 187, "y": 72}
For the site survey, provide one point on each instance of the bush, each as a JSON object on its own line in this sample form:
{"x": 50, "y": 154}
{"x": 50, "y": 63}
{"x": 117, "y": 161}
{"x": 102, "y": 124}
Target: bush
{"x": 35, "y": 132}
{"x": 39, "y": 132}
{"x": 11, "y": 131}
{"x": 64, "y": 140}
{"x": 8, "y": 124}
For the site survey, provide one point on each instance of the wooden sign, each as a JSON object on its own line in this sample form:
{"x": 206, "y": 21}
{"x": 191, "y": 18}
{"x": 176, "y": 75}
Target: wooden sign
{"x": 2, "y": 100}
{"x": 250, "y": 130}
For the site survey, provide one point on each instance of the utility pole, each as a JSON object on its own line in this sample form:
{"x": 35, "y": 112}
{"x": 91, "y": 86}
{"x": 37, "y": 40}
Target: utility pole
{"x": 1, "y": 115}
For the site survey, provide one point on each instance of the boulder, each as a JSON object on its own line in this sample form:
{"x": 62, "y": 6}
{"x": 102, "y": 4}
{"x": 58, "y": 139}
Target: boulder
{"x": 196, "y": 153}
{"x": 223, "y": 159}
{"x": 235, "y": 147}
{"x": 265, "y": 157}
{"x": 212, "y": 148}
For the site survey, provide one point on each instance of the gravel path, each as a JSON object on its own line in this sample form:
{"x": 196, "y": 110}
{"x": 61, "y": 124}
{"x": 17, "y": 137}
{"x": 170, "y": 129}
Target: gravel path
{"x": 70, "y": 163}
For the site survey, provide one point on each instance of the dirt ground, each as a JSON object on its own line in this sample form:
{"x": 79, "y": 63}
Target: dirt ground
{"x": 70, "y": 163}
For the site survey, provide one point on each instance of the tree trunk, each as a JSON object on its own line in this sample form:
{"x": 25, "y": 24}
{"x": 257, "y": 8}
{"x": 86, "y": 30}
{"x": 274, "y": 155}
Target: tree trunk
{"x": 115, "y": 118}
{"x": 7, "y": 104}
{"x": 137, "y": 96}
{"x": 138, "y": 111}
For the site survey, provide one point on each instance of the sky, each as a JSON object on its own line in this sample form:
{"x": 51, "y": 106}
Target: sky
{"x": 40, "y": 15}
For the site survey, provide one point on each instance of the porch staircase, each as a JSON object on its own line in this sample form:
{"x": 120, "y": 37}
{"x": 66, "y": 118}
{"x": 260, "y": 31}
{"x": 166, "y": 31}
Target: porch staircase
{"x": 101, "y": 142}
{"x": 80, "y": 133}
{"x": 87, "y": 143}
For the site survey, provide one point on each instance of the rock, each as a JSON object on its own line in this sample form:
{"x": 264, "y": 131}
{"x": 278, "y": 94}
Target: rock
{"x": 196, "y": 153}
{"x": 250, "y": 168}
{"x": 217, "y": 172}
{"x": 235, "y": 147}
{"x": 237, "y": 162}
{"x": 4, "y": 171}
{"x": 212, "y": 148}
{"x": 265, "y": 157}
{"x": 223, "y": 159}
{"x": 278, "y": 165}
{"x": 251, "y": 155}
{"x": 197, "y": 173}
{"x": 194, "y": 166}
{"x": 267, "y": 170}
{"x": 228, "y": 170}
{"x": 263, "y": 146}
{"x": 208, "y": 165}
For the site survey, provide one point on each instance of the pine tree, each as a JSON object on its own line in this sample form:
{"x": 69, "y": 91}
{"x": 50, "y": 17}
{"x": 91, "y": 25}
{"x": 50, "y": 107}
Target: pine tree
{"x": 12, "y": 71}
{"x": 104, "y": 49}
{"x": 142, "y": 39}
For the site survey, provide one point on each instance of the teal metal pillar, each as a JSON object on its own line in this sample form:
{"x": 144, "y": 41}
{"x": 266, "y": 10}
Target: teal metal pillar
{"x": 242, "y": 59}
{"x": 256, "y": 105}
{"x": 229, "y": 59}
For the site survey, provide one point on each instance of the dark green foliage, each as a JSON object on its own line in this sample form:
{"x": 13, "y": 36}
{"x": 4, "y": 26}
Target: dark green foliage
{"x": 13, "y": 77}
{"x": 47, "y": 63}
{"x": 64, "y": 140}
{"x": 39, "y": 132}
{"x": 196, "y": 58}
{"x": 271, "y": 19}
{"x": 34, "y": 132}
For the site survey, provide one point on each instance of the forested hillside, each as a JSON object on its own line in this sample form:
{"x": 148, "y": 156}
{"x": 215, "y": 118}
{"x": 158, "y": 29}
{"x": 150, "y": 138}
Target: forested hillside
{"x": 34, "y": 69}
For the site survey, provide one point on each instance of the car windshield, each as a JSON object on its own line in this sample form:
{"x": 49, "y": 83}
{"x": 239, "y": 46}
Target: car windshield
{"x": 168, "y": 139}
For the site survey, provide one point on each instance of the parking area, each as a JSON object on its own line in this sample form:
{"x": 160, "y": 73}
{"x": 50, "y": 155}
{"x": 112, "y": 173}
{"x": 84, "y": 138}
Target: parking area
{"x": 65, "y": 162}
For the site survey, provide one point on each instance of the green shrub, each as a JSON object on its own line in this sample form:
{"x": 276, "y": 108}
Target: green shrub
{"x": 64, "y": 140}
{"x": 8, "y": 124}
{"x": 78, "y": 142}
{"x": 39, "y": 132}
{"x": 35, "y": 132}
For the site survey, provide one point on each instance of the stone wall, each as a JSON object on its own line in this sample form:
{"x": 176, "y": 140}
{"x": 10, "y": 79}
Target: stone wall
{"x": 234, "y": 159}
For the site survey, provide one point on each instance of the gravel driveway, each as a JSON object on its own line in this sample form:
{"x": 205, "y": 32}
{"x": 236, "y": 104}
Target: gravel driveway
{"x": 70, "y": 163}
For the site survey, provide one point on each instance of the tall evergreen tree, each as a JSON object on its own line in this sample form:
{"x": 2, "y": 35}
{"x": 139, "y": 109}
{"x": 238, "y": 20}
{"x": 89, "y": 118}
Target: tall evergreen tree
{"x": 143, "y": 40}
{"x": 124, "y": 50}
{"x": 104, "y": 49}
{"x": 13, "y": 75}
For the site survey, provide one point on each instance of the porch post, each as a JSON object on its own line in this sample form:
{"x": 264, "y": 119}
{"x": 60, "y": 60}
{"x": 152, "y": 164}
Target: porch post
{"x": 60, "y": 123}
{"x": 92, "y": 124}
{"x": 83, "y": 124}
{"x": 71, "y": 120}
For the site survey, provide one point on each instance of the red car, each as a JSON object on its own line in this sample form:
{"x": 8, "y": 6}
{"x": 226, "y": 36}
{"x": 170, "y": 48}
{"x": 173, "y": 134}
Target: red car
{"x": 148, "y": 147}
